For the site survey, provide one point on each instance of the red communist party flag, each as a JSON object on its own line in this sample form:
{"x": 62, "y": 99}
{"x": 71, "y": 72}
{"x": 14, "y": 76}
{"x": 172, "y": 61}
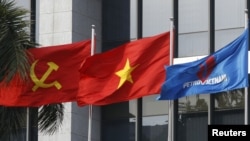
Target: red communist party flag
{"x": 132, "y": 70}
{"x": 54, "y": 76}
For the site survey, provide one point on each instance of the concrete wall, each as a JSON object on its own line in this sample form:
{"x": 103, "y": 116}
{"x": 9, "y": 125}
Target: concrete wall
{"x": 61, "y": 22}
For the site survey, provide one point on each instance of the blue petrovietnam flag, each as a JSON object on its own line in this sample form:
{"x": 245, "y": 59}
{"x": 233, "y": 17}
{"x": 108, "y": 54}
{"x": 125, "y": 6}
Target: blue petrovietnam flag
{"x": 225, "y": 69}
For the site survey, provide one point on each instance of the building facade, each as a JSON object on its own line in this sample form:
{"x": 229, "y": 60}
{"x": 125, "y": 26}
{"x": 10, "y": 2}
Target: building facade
{"x": 66, "y": 21}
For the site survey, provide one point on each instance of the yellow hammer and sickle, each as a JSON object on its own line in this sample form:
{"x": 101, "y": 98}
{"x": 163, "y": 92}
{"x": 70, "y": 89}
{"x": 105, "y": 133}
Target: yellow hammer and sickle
{"x": 40, "y": 82}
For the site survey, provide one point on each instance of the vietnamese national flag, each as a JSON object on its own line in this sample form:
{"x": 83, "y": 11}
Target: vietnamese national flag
{"x": 54, "y": 76}
{"x": 132, "y": 70}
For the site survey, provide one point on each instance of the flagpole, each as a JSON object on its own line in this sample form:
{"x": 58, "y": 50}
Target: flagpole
{"x": 174, "y": 39}
{"x": 170, "y": 102}
{"x": 247, "y": 99}
{"x": 211, "y": 32}
{"x": 139, "y": 114}
{"x": 93, "y": 40}
{"x": 27, "y": 123}
{"x": 33, "y": 39}
{"x": 246, "y": 88}
{"x": 90, "y": 106}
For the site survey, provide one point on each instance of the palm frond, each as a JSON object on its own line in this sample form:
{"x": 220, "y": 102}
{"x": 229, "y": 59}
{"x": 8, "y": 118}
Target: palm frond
{"x": 14, "y": 41}
{"x": 50, "y": 118}
{"x": 12, "y": 120}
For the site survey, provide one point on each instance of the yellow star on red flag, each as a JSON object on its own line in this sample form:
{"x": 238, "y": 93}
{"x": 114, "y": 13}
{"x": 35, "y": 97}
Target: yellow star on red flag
{"x": 129, "y": 71}
{"x": 125, "y": 74}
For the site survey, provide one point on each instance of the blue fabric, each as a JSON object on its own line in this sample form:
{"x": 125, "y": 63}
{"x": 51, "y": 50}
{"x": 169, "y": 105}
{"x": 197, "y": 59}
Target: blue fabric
{"x": 225, "y": 69}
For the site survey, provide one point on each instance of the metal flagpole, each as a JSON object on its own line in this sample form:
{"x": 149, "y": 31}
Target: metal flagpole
{"x": 211, "y": 33}
{"x": 27, "y": 123}
{"x": 139, "y": 113}
{"x": 247, "y": 99}
{"x": 173, "y": 104}
{"x": 90, "y": 106}
{"x": 33, "y": 38}
{"x": 170, "y": 102}
{"x": 174, "y": 39}
{"x": 93, "y": 40}
{"x": 246, "y": 88}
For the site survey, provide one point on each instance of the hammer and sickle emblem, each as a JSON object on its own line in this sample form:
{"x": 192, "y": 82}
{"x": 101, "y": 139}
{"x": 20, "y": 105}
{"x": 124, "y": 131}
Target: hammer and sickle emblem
{"x": 40, "y": 82}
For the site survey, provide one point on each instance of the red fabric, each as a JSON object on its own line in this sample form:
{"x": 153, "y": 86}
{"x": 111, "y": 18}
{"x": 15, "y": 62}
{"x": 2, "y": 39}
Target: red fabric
{"x": 67, "y": 58}
{"x": 99, "y": 82}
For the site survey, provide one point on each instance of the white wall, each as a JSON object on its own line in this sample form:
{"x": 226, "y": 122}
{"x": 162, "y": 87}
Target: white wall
{"x": 61, "y": 22}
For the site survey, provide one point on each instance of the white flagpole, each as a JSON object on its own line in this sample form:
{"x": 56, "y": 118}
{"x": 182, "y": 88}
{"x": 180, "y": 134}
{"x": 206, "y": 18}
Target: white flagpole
{"x": 171, "y": 102}
{"x": 90, "y": 106}
{"x": 93, "y": 40}
{"x": 246, "y": 88}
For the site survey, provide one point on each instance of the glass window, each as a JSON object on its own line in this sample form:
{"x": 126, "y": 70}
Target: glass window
{"x": 196, "y": 103}
{"x": 118, "y": 121}
{"x": 155, "y": 128}
{"x": 192, "y": 126}
{"x": 192, "y": 114}
{"x": 118, "y": 130}
{"x": 155, "y": 119}
{"x": 229, "y": 99}
{"x": 228, "y": 117}
{"x": 229, "y": 107}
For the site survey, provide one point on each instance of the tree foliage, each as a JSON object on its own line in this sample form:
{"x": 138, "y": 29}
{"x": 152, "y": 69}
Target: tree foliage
{"x": 15, "y": 39}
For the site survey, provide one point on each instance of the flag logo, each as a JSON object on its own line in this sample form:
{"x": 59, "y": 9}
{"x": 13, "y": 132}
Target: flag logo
{"x": 224, "y": 70}
{"x": 40, "y": 82}
{"x": 206, "y": 69}
{"x": 53, "y": 76}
